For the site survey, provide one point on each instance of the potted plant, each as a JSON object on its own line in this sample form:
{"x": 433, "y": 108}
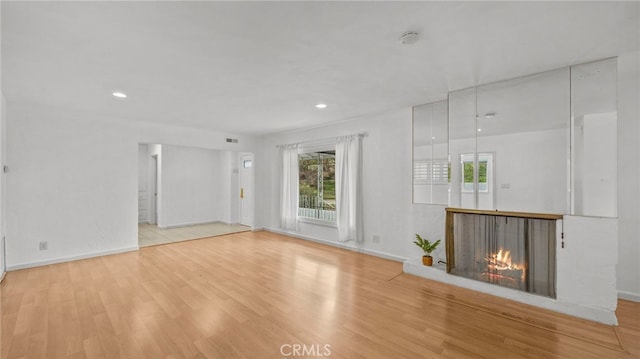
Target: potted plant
{"x": 427, "y": 247}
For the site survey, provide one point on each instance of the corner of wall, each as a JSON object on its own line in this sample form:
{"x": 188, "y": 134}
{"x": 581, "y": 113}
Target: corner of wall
{"x": 3, "y": 183}
{"x": 628, "y": 266}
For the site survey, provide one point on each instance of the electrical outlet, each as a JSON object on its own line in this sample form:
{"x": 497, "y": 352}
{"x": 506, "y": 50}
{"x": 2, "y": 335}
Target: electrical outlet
{"x": 376, "y": 238}
{"x": 43, "y": 246}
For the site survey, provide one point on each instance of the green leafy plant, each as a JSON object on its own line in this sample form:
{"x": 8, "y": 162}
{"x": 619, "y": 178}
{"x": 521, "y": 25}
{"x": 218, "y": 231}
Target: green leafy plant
{"x": 425, "y": 245}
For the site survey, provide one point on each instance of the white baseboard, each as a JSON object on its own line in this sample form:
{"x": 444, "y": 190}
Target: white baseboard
{"x": 187, "y": 224}
{"x": 2, "y": 276}
{"x": 634, "y": 297}
{"x": 346, "y": 246}
{"x": 230, "y": 223}
{"x": 199, "y": 223}
{"x": 70, "y": 258}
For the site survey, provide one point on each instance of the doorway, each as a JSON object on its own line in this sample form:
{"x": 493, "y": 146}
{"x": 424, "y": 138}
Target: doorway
{"x": 187, "y": 193}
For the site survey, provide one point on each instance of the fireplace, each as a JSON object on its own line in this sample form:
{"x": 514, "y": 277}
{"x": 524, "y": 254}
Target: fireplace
{"x": 511, "y": 249}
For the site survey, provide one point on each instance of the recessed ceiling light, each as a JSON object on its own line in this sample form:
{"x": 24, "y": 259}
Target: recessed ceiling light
{"x": 321, "y": 105}
{"x": 119, "y": 94}
{"x": 479, "y": 130}
{"x": 433, "y": 138}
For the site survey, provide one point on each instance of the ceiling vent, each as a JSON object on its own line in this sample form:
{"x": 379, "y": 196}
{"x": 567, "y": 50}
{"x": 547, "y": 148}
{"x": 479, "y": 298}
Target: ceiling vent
{"x": 232, "y": 140}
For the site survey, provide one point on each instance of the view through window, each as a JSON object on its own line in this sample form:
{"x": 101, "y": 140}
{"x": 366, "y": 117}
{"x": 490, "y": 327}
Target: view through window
{"x": 482, "y": 176}
{"x": 467, "y": 167}
{"x": 317, "y": 185}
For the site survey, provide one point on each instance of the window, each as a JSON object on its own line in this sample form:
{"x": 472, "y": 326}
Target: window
{"x": 467, "y": 170}
{"x": 431, "y": 172}
{"x": 317, "y": 185}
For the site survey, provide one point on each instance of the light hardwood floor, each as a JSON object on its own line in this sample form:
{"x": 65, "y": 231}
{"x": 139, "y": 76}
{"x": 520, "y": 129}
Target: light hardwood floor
{"x": 151, "y": 235}
{"x": 246, "y": 295}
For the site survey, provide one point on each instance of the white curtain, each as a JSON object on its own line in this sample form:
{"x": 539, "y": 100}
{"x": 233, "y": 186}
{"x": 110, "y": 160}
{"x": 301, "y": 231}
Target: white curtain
{"x": 349, "y": 188}
{"x": 289, "y": 187}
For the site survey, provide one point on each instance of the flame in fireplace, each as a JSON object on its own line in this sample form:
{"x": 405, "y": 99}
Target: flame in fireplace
{"x": 501, "y": 261}
{"x": 501, "y": 265}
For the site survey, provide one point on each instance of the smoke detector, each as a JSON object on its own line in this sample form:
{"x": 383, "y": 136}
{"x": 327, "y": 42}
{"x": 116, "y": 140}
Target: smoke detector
{"x": 410, "y": 37}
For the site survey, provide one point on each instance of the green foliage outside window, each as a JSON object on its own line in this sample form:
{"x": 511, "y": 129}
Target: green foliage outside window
{"x": 317, "y": 179}
{"x": 482, "y": 172}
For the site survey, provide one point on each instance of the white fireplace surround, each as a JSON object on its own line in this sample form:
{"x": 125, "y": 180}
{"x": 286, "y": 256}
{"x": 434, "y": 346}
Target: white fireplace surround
{"x": 585, "y": 269}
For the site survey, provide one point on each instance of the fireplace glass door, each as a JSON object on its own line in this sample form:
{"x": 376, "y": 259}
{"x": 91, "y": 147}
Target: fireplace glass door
{"x": 514, "y": 252}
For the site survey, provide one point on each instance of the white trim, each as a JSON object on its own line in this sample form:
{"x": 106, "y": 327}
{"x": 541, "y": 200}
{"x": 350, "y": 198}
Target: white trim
{"x": 188, "y": 224}
{"x": 71, "y": 258}
{"x": 634, "y": 297}
{"x": 438, "y": 273}
{"x": 229, "y": 223}
{"x": 2, "y": 276}
{"x": 317, "y": 222}
{"x": 339, "y": 245}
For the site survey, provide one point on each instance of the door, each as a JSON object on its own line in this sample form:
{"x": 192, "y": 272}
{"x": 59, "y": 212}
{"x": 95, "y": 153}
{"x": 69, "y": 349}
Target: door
{"x": 246, "y": 189}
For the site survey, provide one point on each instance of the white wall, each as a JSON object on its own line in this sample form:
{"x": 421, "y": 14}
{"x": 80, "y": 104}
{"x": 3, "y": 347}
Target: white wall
{"x": 143, "y": 164}
{"x": 598, "y": 182}
{"x": 628, "y": 269}
{"x": 154, "y": 183}
{"x": 204, "y": 199}
{"x": 143, "y": 183}
{"x": 229, "y": 189}
{"x": 3, "y": 158}
{"x": 3, "y": 181}
{"x": 590, "y": 287}
{"x": 73, "y": 180}
{"x": 190, "y": 186}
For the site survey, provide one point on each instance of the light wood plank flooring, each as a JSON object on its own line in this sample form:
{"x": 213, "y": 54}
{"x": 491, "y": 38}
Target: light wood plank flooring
{"x": 246, "y": 295}
{"x": 151, "y": 235}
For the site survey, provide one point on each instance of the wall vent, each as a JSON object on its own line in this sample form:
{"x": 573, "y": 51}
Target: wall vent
{"x": 232, "y": 140}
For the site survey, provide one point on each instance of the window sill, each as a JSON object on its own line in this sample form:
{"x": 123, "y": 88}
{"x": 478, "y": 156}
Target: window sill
{"x": 318, "y": 222}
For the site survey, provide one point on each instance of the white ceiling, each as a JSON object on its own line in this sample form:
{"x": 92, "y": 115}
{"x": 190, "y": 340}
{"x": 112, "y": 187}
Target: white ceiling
{"x": 260, "y": 67}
